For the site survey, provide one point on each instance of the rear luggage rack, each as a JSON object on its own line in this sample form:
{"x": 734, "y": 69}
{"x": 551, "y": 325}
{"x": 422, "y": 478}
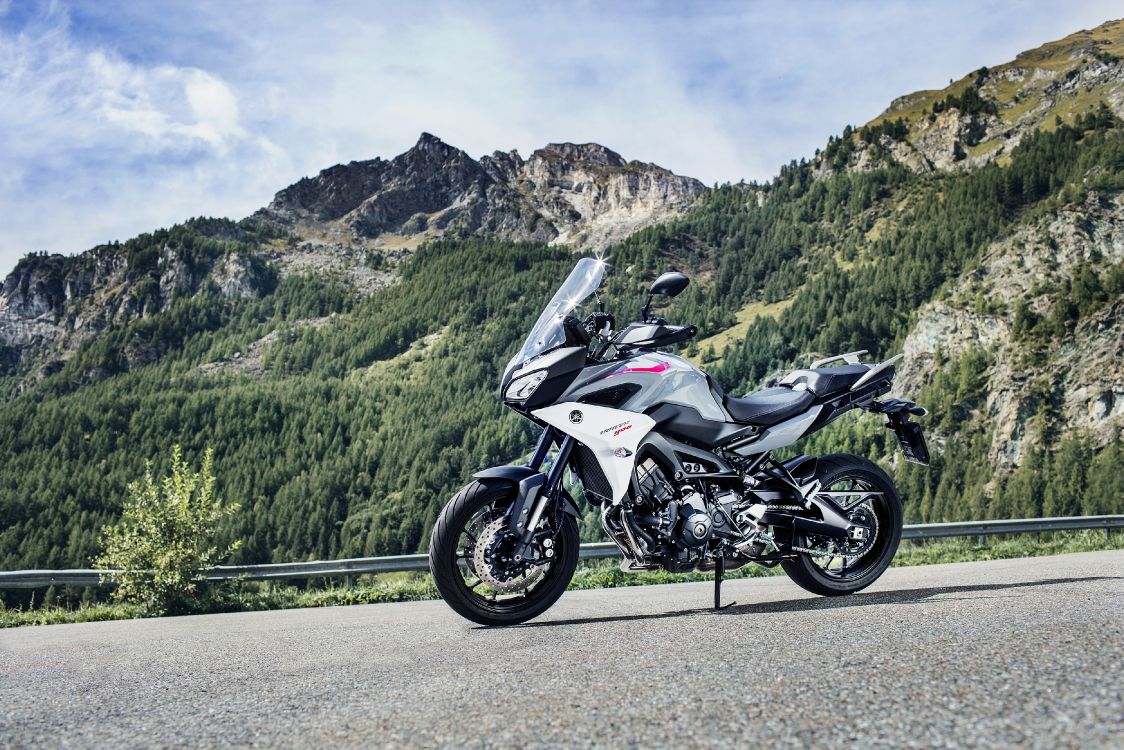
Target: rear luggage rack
{"x": 851, "y": 358}
{"x": 875, "y": 371}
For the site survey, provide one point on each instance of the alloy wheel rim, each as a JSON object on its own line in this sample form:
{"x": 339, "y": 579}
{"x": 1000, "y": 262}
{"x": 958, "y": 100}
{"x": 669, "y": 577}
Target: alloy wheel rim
{"x": 864, "y": 503}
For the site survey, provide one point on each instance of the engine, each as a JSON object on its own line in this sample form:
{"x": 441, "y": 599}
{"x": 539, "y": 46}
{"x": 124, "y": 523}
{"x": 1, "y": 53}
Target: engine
{"x": 680, "y": 528}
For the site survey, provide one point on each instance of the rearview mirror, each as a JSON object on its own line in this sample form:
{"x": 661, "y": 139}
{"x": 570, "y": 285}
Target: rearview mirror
{"x": 670, "y": 283}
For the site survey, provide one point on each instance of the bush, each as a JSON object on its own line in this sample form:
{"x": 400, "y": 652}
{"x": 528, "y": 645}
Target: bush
{"x": 162, "y": 544}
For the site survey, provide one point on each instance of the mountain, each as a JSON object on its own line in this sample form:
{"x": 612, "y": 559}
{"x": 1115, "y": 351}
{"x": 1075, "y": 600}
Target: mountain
{"x": 354, "y": 221}
{"x": 980, "y": 118}
{"x": 339, "y": 348}
{"x": 50, "y": 305}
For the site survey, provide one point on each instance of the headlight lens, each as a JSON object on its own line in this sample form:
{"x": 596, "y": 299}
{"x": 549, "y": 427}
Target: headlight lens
{"x": 521, "y": 389}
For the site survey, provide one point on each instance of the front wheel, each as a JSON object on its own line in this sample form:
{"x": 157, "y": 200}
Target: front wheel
{"x": 868, "y": 497}
{"x": 474, "y": 575}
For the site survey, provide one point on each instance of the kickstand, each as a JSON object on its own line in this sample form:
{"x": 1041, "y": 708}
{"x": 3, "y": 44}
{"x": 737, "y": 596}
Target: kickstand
{"x": 719, "y": 569}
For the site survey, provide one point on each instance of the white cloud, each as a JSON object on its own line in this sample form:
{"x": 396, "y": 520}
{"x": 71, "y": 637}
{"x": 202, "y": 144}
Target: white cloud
{"x": 116, "y": 119}
{"x": 215, "y": 108}
{"x": 97, "y": 147}
{"x": 172, "y": 107}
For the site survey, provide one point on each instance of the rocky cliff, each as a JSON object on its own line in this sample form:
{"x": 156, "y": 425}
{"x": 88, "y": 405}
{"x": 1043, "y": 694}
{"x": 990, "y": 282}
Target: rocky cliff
{"x": 51, "y": 304}
{"x": 1042, "y": 305}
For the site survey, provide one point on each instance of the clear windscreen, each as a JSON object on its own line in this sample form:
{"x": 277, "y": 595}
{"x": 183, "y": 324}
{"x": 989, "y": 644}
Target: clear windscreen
{"x": 548, "y": 332}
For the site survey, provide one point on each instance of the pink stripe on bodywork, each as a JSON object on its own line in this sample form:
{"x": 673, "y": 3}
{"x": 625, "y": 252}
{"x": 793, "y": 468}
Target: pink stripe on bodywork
{"x": 654, "y": 369}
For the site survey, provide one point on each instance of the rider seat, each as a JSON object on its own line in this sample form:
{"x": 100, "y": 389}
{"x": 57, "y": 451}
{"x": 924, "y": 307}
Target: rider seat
{"x": 796, "y": 393}
{"x": 768, "y": 407}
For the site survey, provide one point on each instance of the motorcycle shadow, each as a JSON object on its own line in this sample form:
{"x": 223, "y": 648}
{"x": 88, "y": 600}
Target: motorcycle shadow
{"x": 819, "y": 603}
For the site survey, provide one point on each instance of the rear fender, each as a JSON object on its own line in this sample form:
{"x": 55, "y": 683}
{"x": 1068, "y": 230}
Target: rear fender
{"x": 528, "y": 482}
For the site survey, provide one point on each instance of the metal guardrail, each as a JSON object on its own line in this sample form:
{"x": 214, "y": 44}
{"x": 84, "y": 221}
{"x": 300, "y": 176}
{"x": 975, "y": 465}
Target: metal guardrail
{"x": 23, "y": 579}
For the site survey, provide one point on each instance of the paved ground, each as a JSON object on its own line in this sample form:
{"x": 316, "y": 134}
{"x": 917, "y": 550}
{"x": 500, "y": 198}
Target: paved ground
{"x": 1006, "y": 653}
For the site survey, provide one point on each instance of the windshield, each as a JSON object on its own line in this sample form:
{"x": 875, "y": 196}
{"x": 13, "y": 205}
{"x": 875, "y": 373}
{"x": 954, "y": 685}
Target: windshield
{"x": 547, "y": 332}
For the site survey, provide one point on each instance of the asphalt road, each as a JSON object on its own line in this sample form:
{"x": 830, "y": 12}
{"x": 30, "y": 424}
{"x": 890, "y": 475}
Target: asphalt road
{"x": 1023, "y": 653}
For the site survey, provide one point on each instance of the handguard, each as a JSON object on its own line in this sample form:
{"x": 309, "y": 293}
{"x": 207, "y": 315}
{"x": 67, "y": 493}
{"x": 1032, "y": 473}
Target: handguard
{"x": 911, "y": 437}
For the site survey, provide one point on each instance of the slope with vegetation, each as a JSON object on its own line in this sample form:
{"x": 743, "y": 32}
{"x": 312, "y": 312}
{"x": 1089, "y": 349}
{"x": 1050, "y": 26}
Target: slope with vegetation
{"x": 342, "y": 416}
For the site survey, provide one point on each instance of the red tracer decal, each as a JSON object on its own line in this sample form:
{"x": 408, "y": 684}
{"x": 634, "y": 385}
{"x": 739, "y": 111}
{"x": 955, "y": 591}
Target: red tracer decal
{"x": 654, "y": 369}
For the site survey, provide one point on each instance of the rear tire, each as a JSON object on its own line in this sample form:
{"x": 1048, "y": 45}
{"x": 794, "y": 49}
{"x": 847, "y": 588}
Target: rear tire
{"x": 832, "y": 470}
{"x": 444, "y": 548}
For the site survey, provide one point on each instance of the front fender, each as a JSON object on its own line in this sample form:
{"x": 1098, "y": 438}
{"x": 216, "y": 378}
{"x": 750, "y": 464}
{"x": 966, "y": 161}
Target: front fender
{"x": 511, "y": 473}
{"x": 528, "y": 481}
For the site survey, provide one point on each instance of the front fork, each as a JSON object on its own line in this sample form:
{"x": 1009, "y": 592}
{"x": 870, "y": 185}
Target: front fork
{"x": 536, "y": 490}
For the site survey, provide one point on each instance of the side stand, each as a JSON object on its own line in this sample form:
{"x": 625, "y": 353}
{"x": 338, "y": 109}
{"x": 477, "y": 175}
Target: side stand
{"x": 719, "y": 570}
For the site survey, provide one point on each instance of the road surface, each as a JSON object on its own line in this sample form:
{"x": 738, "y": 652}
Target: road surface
{"x": 1003, "y": 653}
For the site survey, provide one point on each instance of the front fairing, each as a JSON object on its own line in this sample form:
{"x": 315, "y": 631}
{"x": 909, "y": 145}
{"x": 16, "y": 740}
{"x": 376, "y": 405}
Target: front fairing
{"x": 558, "y": 368}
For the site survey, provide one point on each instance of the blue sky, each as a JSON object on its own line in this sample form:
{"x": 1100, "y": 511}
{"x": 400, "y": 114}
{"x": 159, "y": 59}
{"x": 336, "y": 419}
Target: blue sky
{"x": 117, "y": 118}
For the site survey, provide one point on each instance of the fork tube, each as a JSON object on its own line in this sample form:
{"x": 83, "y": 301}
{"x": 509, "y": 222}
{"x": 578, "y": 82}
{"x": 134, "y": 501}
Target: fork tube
{"x": 547, "y": 490}
{"x": 543, "y": 447}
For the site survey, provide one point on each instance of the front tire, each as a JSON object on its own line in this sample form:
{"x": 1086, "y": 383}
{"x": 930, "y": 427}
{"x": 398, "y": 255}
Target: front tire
{"x": 837, "y": 575}
{"x": 474, "y": 508}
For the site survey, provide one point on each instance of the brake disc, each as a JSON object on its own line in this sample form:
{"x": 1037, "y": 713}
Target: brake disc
{"x": 499, "y": 580}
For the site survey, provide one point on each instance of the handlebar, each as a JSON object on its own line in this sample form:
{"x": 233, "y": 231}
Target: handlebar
{"x": 675, "y": 334}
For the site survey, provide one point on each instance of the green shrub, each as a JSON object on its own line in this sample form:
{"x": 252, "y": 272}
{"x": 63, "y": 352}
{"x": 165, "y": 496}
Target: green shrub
{"x": 163, "y": 541}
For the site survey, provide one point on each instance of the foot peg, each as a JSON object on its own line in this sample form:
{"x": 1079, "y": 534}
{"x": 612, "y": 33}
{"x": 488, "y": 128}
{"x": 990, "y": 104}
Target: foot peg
{"x": 628, "y": 566}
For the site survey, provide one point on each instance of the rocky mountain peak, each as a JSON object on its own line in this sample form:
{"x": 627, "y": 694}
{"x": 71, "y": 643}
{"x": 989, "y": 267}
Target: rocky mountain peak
{"x": 429, "y": 140}
{"x": 565, "y": 192}
{"x": 354, "y": 221}
{"x": 429, "y": 152}
{"x": 581, "y": 152}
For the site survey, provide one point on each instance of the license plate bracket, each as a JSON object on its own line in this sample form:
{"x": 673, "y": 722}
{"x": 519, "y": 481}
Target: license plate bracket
{"x": 911, "y": 439}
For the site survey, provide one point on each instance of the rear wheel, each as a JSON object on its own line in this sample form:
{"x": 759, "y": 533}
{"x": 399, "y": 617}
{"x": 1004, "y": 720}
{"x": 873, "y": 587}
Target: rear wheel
{"x": 475, "y": 575}
{"x": 868, "y": 497}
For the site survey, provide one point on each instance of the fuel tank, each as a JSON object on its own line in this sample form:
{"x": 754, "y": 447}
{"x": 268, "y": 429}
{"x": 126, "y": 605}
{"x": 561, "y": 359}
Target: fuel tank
{"x": 645, "y": 380}
{"x": 668, "y": 388}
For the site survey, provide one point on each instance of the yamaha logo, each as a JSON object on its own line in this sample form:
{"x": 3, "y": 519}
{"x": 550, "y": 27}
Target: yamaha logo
{"x": 576, "y": 416}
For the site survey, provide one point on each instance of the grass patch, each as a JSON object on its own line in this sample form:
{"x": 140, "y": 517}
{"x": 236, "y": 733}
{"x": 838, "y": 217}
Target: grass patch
{"x": 13, "y": 618}
{"x": 594, "y": 574}
{"x": 719, "y": 341}
{"x": 983, "y": 148}
{"x": 968, "y": 549}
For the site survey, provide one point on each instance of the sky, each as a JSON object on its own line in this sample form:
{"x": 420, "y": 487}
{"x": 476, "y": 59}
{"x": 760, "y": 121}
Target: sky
{"x": 121, "y": 117}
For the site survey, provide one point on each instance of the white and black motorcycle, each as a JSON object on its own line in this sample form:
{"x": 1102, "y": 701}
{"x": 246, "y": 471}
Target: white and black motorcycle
{"x": 683, "y": 473}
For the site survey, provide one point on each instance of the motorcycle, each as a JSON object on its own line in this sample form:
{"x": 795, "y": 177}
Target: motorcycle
{"x": 683, "y": 473}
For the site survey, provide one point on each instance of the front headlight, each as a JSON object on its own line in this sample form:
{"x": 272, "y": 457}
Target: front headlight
{"x": 521, "y": 389}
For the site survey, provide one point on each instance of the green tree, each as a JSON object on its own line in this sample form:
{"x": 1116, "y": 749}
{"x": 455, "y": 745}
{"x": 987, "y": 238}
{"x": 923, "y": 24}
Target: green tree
{"x": 1066, "y": 483}
{"x": 162, "y": 544}
{"x": 1104, "y": 492}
